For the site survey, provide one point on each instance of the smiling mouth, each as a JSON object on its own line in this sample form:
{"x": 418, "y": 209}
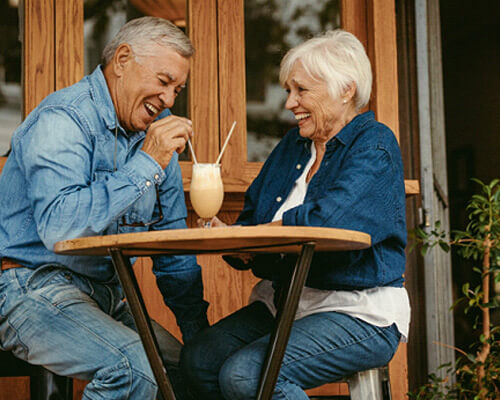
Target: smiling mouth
{"x": 301, "y": 117}
{"x": 151, "y": 109}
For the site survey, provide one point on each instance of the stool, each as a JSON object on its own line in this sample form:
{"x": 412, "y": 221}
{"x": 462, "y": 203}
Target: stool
{"x": 370, "y": 384}
{"x": 44, "y": 385}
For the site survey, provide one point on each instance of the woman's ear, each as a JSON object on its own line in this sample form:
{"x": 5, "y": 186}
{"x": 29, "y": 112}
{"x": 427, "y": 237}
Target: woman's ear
{"x": 123, "y": 56}
{"x": 349, "y": 92}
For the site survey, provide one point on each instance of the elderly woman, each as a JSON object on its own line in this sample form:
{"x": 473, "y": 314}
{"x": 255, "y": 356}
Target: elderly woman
{"x": 340, "y": 168}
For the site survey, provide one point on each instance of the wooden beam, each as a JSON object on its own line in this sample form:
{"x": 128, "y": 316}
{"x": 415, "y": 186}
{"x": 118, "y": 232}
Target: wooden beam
{"x": 353, "y": 16}
{"x": 232, "y": 94}
{"x": 382, "y": 49}
{"x": 203, "y": 85}
{"x": 69, "y": 54}
{"x": 38, "y": 52}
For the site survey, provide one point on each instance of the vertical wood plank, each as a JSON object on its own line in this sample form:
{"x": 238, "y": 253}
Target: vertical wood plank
{"x": 68, "y": 42}
{"x": 37, "y": 82}
{"x": 203, "y": 85}
{"x": 398, "y": 373}
{"x": 353, "y": 16}
{"x": 232, "y": 89}
{"x": 382, "y": 49}
{"x": 383, "y": 54}
{"x": 38, "y": 52}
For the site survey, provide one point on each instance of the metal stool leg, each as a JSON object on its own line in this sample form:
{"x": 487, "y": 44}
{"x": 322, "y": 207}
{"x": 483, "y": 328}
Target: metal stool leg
{"x": 367, "y": 385}
{"x": 284, "y": 320}
{"x": 142, "y": 321}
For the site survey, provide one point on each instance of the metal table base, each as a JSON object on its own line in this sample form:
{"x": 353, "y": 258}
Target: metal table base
{"x": 278, "y": 340}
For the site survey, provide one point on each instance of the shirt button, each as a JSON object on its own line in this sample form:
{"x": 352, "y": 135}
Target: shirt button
{"x": 157, "y": 177}
{"x": 278, "y": 199}
{"x": 148, "y": 183}
{"x": 299, "y": 166}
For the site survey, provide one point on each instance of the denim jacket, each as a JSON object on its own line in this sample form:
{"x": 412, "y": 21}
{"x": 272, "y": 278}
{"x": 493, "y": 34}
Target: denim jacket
{"x": 358, "y": 186}
{"x": 67, "y": 177}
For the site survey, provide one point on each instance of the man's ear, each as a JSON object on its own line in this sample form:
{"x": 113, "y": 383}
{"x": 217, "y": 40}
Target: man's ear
{"x": 123, "y": 56}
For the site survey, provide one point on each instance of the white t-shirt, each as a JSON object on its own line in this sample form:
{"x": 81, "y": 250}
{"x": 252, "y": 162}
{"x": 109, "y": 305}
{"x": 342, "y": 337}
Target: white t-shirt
{"x": 380, "y": 306}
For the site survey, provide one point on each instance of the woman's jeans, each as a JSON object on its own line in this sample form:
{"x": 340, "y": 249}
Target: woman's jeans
{"x": 225, "y": 360}
{"x": 76, "y": 327}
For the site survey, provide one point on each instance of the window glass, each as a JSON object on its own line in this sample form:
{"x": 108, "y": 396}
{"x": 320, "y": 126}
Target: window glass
{"x": 103, "y": 19}
{"x": 10, "y": 72}
{"x": 272, "y": 27}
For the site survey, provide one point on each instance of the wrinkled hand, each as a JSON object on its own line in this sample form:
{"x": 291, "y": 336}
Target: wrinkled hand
{"x": 165, "y": 136}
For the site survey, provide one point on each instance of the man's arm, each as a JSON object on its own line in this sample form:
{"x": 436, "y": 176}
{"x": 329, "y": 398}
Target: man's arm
{"x": 56, "y": 156}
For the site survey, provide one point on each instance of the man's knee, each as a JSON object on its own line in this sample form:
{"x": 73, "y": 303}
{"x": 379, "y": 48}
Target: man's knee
{"x": 129, "y": 375}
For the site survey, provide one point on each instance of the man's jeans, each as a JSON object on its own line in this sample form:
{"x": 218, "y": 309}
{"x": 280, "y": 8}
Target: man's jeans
{"x": 225, "y": 360}
{"x": 79, "y": 328}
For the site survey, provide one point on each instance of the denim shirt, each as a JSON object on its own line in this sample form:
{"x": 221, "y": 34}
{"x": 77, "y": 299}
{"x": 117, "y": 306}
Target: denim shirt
{"x": 358, "y": 186}
{"x": 67, "y": 176}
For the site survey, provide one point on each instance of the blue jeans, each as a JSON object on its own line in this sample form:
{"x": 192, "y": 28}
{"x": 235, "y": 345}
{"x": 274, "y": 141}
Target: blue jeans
{"x": 80, "y": 328}
{"x": 225, "y": 360}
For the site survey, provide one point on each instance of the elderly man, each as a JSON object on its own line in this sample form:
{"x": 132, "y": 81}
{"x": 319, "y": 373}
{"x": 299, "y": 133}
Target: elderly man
{"x": 94, "y": 159}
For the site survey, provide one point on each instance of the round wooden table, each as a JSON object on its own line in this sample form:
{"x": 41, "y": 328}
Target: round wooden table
{"x": 228, "y": 240}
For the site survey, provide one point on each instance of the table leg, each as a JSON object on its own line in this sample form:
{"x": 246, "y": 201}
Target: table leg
{"x": 142, "y": 321}
{"x": 284, "y": 320}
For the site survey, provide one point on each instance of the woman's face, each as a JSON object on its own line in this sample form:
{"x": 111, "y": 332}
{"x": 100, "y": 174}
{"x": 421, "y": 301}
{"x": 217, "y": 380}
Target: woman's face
{"x": 319, "y": 116}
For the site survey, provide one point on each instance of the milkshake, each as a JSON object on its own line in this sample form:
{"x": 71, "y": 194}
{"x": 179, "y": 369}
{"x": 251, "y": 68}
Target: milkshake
{"x": 206, "y": 192}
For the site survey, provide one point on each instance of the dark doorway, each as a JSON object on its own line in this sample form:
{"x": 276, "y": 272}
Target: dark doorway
{"x": 470, "y": 32}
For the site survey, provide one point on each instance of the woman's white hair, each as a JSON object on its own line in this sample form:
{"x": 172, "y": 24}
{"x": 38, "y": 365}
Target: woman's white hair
{"x": 337, "y": 58}
{"x": 143, "y": 34}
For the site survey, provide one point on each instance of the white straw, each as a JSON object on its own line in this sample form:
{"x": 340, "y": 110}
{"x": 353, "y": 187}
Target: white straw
{"x": 225, "y": 143}
{"x": 192, "y": 151}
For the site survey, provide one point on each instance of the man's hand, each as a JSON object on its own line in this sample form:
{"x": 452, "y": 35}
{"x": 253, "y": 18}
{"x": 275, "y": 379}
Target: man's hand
{"x": 165, "y": 136}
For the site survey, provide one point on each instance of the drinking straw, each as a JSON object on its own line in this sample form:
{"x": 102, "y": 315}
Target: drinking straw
{"x": 225, "y": 143}
{"x": 192, "y": 151}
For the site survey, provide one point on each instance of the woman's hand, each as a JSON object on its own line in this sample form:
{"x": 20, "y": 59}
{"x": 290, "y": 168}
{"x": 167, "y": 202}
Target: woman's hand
{"x": 214, "y": 223}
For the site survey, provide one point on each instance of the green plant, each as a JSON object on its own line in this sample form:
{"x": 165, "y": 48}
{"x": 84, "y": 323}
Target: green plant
{"x": 477, "y": 371}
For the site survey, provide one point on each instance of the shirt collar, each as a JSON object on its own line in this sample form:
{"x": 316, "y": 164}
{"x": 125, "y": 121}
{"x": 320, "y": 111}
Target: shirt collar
{"x": 102, "y": 97}
{"x": 348, "y": 133}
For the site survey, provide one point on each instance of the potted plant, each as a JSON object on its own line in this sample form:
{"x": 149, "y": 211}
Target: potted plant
{"x": 477, "y": 371}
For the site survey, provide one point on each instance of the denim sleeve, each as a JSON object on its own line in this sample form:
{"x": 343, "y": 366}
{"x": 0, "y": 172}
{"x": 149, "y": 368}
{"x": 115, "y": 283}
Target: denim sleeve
{"x": 179, "y": 277}
{"x": 365, "y": 195}
{"x": 56, "y": 156}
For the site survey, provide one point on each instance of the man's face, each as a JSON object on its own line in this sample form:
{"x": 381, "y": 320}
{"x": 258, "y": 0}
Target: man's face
{"x": 148, "y": 85}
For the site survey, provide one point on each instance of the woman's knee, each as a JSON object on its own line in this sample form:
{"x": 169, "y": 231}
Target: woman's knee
{"x": 197, "y": 360}
{"x": 239, "y": 376}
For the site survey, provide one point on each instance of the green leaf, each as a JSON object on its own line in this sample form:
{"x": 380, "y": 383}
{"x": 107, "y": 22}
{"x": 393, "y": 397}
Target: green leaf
{"x": 444, "y": 246}
{"x": 424, "y": 249}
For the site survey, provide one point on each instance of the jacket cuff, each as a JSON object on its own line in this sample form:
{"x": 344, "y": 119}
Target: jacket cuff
{"x": 289, "y": 217}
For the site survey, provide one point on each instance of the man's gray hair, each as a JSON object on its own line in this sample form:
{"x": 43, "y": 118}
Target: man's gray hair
{"x": 337, "y": 58}
{"x": 143, "y": 34}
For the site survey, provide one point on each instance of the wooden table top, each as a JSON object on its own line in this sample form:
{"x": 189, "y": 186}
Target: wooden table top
{"x": 269, "y": 239}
